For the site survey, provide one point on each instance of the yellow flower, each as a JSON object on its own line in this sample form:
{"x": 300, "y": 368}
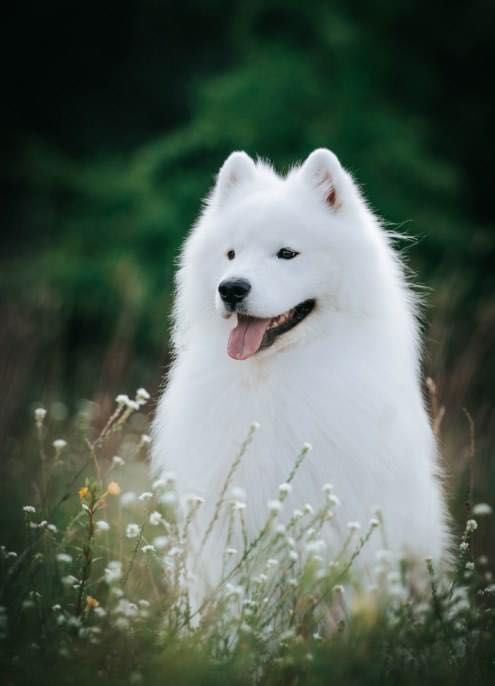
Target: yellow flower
{"x": 83, "y": 492}
{"x": 91, "y": 602}
{"x": 113, "y": 488}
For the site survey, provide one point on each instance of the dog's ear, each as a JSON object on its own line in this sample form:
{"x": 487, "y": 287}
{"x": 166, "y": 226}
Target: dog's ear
{"x": 323, "y": 171}
{"x": 237, "y": 170}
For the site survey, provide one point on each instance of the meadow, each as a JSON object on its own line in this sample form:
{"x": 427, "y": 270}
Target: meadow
{"x": 96, "y": 586}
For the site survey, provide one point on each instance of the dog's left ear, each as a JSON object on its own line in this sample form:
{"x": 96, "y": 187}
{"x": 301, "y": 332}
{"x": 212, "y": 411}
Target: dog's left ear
{"x": 238, "y": 169}
{"x": 323, "y": 171}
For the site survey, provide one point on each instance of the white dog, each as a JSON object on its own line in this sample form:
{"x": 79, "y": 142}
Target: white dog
{"x": 293, "y": 310}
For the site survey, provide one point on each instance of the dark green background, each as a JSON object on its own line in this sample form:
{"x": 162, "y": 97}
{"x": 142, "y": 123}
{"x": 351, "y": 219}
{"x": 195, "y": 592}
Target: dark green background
{"x": 118, "y": 114}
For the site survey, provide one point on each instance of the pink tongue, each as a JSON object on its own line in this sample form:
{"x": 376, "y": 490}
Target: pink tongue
{"x": 245, "y": 339}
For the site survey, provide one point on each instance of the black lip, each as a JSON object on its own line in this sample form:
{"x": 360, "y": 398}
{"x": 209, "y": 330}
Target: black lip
{"x": 301, "y": 311}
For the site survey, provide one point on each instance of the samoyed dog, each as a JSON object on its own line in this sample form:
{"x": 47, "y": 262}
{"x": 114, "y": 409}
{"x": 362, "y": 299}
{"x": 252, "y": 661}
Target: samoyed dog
{"x": 293, "y": 310}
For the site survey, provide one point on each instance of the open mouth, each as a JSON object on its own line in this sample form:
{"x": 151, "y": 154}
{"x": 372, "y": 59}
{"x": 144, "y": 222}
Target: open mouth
{"x": 253, "y": 334}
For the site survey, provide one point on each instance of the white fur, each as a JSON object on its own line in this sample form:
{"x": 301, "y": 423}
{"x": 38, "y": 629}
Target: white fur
{"x": 346, "y": 379}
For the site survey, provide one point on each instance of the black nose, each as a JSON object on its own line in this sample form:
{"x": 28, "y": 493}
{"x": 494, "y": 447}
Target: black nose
{"x": 233, "y": 291}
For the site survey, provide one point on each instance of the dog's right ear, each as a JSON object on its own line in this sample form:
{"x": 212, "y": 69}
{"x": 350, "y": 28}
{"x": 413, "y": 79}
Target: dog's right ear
{"x": 237, "y": 170}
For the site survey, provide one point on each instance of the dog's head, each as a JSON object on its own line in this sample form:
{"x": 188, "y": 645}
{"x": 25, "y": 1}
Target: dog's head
{"x": 273, "y": 254}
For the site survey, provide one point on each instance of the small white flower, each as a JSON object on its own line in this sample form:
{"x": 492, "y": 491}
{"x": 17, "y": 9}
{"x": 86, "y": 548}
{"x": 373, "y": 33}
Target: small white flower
{"x": 285, "y": 489}
{"x": 238, "y": 493}
{"x": 122, "y": 399}
{"x": 297, "y": 514}
{"x": 353, "y": 526}
{"x": 122, "y": 623}
{"x": 113, "y": 571}
{"x": 193, "y": 499}
{"x": 56, "y": 607}
{"x": 52, "y": 528}
{"x": 99, "y": 612}
{"x": 293, "y": 556}
{"x": 463, "y": 546}
{"x": 64, "y": 557}
{"x": 334, "y": 499}
{"x": 471, "y": 525}
{"x": 145, "y": 439}
{"x": 307, "y": 447}
{"x": 308, "y": 509}
{"x": 230, "y": 552}
{"x": 12, "y": 554}
{"x": 142, "y": 395}
{"x": 132, "y": 530}
{"x": 144, "y": 497}
{"x": 327, "y": 488}
{"x": 238, "y": 505}
{"x": 102, "y": 525}
{"x": 39, "y": 415}
{"x": 117, "y": 461}
{"x": 274, "y": 506}
{"x": 148, "y": 548}
{"x": 159, "y": 483}
{"x": 280, "y": 529}
{"x": 155, "y": 518}
{"x": 482, "y": 509}
{"x": 470, "y": 566}
{"x": 272, "y": 562}
{"x": 374, "y": 522}
{"x": 59, "y": 444}
{"x": 255, "y": 426}
{"x": 29, "y": 509}
{"x": 338, "y": 589}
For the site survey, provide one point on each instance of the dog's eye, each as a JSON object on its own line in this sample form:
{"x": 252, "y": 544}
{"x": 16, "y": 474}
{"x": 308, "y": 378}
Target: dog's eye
{"x": 286, "y": 254}
{"x": 231, "y": 254}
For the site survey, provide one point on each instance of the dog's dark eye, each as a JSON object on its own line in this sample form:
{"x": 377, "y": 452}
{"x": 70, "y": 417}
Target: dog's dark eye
{"x": 231, "y": 254}
{"x": 286, "y": 254}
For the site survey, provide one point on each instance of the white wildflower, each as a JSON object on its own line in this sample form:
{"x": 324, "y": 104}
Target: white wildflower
{"x": 132, "y": 530}
{"x": 148, "y": 548}
{"x": 145, "y": 439}
{"x": 308, "y": 509}
{"x": 158, "y": 484}
{"x": 52, "y": 528}
{"x": 338, "y": 589}
{"x": 482, "y": 509}
{"x": 64, "y": 557}
{"x": 271, "y": 562}
{"x": 327, "y": 488}
{"x": 374, "y": 522}
{"x": 274, "y": 506}
{"x": 284, "y": 489}
{"x": 29, "y": 509}
{"x": 59, "y": 444}
{"x": 471, "y": 525}
{"x": 39, "y": 416}
{"x": 297, "y": 514}
{"x": 238, "y": 505}
{"x": 155, "y": 518}
{"x": 57, "y": 607}
{"x": 144, "y": 497}
{"x": 293, "y": 556}
{"x": 307, "y": 447}
{"x": 334, "y": 499}
{"x": 255, "y": 426}
{"x": 470, "y": 566}
{"x": 142, "y": 396}
{"x": 122, "y": 623}
{"x": 463, "y": 546}
{"x": 230, "y": 552}
{"x": 113, "y": 571}
{"x": 117, "y": 461}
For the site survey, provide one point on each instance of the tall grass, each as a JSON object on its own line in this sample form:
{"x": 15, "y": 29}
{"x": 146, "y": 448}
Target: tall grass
{"x": 99, "y": 586}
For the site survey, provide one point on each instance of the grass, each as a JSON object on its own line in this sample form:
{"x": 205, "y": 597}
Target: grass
{"x": 96, "y": 587}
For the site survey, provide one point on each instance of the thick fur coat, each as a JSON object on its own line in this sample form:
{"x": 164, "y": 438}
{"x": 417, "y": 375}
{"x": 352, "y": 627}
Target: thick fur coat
{"x": 346, "y": 378}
